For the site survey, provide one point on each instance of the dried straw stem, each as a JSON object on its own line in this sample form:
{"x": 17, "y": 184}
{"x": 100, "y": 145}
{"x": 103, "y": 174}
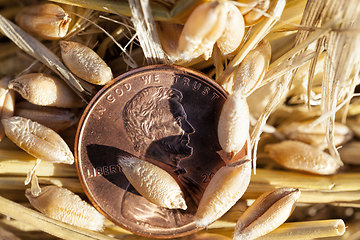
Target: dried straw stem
{"x": 160, "y": 12}
{"x": 17, "y": 167}
{"x": 337, "y": 182}
{"x": 295, "y": 230}
{"x": 17, "y": 183}
{"x": 307, "y": 195}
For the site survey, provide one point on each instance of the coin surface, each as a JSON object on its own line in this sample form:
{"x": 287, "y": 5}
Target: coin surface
{"x": 163, "y": 114}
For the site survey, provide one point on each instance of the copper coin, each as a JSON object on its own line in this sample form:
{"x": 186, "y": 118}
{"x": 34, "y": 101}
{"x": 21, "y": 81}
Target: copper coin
{"x": 163, "y": 114}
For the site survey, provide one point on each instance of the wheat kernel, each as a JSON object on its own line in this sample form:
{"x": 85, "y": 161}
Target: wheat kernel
{"x": 234, "y": 30}
{"x": 201, "y": 30}
{"x": 233, "y": 126}
{"x": 300, "y": 156}
{"x": 45, "y": 90}
{"x": 7, "y": 103}
{"x": 315, "y": 136}
{"x": 85, "y": 63}
{"x": 224, "y": 190}
{"x": 47, "y": 21}
{"x": 63, "y": 205}
{"x": 37, "y": 140}
{"x": 153, "y": 183}
{"x": 252, "y": 69}
{"x": 267, "y": 213}
{"x": 57, "y": 119}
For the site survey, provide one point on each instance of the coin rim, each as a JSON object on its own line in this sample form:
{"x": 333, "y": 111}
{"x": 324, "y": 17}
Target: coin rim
{"x": 88, "y": 108}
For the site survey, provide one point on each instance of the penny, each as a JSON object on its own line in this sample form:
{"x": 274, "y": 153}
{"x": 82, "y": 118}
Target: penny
{"x": 163, "y": 114}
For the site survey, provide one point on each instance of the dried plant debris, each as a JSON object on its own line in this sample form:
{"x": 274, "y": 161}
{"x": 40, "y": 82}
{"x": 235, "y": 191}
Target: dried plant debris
{"x": 152, "y": 182}
{"x": 63, "y": 205}
{"x": 146, "y": 31}
{"x": 85, "y": 63}
{"x": 267, "y": 213}
{"x": 253, "y": 10}
{"x": 45, "y": 90}
{"x": 47, "y": 21}
{"x": 224, "y": 190}
{"x": 37, "y": 140}
{"x": 342, "y": 58}
{"x": 300, "y": 156}
{"x": 57, "y": 119}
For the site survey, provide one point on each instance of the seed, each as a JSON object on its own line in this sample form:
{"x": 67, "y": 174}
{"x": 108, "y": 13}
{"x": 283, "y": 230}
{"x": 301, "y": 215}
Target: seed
{"x": 354, "y": 125}
{"x": 55, "y": 118}
{"x": 224, "y": 190}
{"x": 252, "y": 69}
{"x": 153, "y": 183}
{"x": 350, "y": 154}
{"x": 202, "y": 29}
{"x": 48, "y": 21}
{"x": 7, "y": 102}
{"x": 315, "y": 136}
{"x": 254, "y": 14}
{"x": 85, "y": 63}
{"x": 267, "y": 213}
{"x": 233, "y": 127}
{"x": 37, "y": 140}
{"x": 300, "y": 156}
{"x": 45, "y": 90}
{"x": 169, "y": 34}
{"x": 234, "y": 30}
{"x": 63, "y": 205}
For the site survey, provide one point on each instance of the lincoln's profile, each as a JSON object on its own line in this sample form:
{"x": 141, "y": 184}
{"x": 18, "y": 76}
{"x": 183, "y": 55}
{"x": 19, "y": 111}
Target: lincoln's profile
{"x": 156, "y": 124}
